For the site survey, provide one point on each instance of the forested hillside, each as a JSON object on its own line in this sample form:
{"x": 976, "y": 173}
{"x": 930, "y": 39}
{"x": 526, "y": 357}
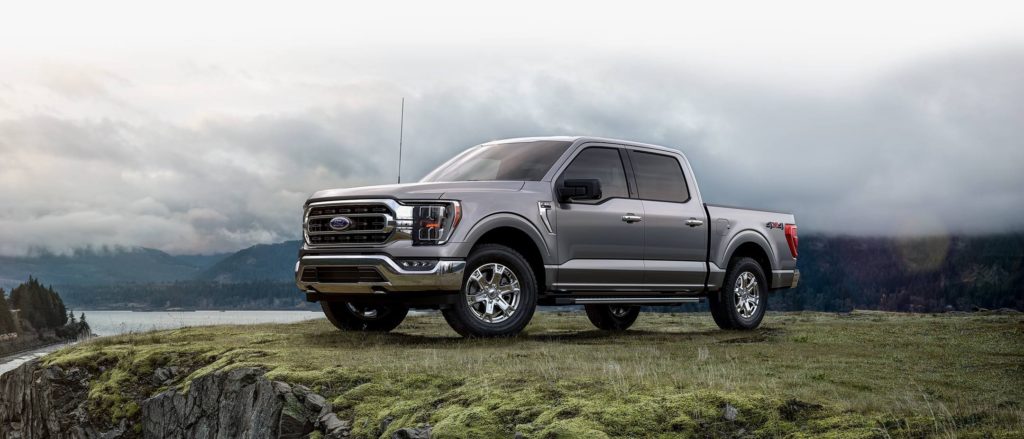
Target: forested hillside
{"x": 99, "y": 266}
{"x": 912, "y": 274}
{"x": 274, "y": 262}
{"x": 189, "y": 295}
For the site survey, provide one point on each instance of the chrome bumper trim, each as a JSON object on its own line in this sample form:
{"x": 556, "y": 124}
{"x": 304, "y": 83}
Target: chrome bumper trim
{"x": 445, "y": 276}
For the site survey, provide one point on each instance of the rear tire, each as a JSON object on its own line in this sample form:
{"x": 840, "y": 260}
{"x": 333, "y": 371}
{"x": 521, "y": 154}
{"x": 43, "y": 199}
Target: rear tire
{"x": 743, "y": 298}
{"x": 347, "y": 316}
{"x": 612, "y": 317}
{"x": 498, "y": 296}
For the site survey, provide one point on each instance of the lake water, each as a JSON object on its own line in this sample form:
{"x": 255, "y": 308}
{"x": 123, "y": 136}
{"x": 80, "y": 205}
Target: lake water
{"x": 105, "y": 323}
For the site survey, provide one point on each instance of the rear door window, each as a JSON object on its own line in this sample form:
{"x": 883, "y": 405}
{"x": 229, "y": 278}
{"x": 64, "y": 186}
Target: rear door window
{"x": 659, "y": 177}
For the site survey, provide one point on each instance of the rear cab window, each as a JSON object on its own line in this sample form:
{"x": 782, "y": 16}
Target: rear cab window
{"x": 659, "y": 177}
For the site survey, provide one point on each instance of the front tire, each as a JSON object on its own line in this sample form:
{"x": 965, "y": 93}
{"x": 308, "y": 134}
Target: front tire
{"x": 348, "y": 316}
{"x": 743, "y": 298}
{"x": 498, "y": 296}
{"x": 612, "y": 317}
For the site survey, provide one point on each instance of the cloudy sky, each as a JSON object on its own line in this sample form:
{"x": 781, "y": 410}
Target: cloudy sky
{"x": 193, "y": 128}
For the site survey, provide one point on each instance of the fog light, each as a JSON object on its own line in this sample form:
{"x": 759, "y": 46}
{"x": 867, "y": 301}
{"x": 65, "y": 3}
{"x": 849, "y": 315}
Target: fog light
{"x": 417, "y": 264}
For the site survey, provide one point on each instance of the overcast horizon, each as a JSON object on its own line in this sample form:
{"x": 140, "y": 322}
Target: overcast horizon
{"x": 190, "y": 132}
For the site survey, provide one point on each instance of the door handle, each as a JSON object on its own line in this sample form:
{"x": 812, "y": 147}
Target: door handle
{"x": 630, "y": 218}
{"x": 694, "y": 222}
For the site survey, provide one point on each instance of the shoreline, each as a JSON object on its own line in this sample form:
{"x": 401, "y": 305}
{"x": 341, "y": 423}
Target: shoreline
{"x": 28, "y": 347}
{"x": 11, "y": 361}
{"x": 8, "y": 355}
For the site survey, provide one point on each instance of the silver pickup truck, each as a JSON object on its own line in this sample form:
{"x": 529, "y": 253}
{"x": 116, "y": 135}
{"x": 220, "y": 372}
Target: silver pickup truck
{"x": 512, "y": 224}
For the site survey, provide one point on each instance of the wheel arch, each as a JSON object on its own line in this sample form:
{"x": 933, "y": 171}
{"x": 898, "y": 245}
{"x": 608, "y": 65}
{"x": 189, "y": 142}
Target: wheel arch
{"x": 516, "y": 233}
{"x": 752, "y": 244}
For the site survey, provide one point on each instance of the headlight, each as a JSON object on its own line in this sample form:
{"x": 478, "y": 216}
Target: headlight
{"x": 433, "y": 223}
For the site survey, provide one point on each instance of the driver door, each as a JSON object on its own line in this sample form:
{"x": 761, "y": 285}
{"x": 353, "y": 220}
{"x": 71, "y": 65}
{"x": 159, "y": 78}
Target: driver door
{"x": 600, "y": 241}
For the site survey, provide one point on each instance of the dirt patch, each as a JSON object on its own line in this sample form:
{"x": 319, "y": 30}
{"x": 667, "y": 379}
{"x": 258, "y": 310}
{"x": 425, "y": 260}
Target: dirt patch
{"x": 794, "y": 409}
{"x": 762, "y": 335}
{"x": 752, "y": 339}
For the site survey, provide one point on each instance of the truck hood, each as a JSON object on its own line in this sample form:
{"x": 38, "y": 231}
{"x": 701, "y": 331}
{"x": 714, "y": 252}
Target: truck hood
{"x": 420, "y": 191}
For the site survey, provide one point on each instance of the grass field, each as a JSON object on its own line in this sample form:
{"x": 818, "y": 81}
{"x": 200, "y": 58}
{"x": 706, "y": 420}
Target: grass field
{"x": 863, "y": 374}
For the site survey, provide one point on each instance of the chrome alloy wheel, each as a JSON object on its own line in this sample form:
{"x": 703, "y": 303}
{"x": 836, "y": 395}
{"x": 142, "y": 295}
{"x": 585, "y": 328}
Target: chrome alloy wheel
{"x": 492, "y": 293}
{"x": 747, "y": 293}
{"x": 619, "y": 310}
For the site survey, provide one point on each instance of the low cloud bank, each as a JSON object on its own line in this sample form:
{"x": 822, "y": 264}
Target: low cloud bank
{"x": 934, "y": 147}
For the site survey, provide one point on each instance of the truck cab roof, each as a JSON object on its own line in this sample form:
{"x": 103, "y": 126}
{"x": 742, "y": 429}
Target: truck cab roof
{"x": 583, "y": 139}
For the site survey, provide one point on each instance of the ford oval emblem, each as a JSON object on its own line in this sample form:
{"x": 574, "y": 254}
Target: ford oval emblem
{"x": 340, "y": 223}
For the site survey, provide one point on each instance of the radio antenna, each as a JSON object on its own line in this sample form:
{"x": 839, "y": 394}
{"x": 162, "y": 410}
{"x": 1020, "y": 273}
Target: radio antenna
{"x": 401, "y": 129}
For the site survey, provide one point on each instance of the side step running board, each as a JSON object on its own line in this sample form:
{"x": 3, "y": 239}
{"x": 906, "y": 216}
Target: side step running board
{"x": 635, "y": 300}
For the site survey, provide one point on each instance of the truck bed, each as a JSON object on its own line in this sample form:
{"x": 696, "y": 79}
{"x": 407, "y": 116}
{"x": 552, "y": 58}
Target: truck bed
{"x": 732, "y": 227}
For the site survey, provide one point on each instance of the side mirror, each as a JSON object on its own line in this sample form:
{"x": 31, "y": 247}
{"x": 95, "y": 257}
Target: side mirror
{"x": 580, "y": 189}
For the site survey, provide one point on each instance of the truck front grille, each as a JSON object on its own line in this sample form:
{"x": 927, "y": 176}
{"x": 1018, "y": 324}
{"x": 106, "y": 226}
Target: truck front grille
{"x": 345, "y": 209}
{"x": 374, "y": 223}
{"x": 369, "y": 223}
{"x": 361, "y": 238}
{"x": 342, "y": 275}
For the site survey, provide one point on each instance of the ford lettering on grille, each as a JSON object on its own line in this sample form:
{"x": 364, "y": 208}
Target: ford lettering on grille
{"x": 340, "y": 223}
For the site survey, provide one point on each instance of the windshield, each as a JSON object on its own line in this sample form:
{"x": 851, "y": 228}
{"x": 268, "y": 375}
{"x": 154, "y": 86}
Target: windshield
{"x": 520, "y": 161}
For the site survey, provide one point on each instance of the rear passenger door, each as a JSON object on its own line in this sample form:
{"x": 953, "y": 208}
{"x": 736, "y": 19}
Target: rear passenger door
{"x": 675, "y": 224}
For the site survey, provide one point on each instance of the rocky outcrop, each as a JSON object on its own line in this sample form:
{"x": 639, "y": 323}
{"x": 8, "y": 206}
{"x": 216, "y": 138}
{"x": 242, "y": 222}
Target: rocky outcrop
{"x": 47, "y": 402}
{"x": 50, "y": 402}
{"x": 241, "y": 403}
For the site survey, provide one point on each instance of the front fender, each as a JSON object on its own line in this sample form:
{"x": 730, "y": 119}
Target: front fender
{"x": 511, "y": 220}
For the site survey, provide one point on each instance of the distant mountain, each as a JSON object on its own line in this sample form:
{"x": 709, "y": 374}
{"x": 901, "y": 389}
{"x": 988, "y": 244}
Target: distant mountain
{"x": 273, "y": 262}
{"x": 118, "y": 265}
{"x": 97, "y": 266}
{"x": 203, "y": 262}
{"x": 260, "y": 277}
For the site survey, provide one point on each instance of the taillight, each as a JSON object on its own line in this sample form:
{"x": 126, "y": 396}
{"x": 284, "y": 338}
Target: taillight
{"x": 792, "y": 239}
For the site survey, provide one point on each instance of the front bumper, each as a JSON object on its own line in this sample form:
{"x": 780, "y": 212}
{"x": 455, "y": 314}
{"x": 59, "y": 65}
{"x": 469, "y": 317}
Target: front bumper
{"x": 365, "y": 274}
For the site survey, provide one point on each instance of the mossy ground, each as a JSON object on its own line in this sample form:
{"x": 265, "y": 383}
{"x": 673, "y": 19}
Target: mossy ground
{"x": 864, "y": 374}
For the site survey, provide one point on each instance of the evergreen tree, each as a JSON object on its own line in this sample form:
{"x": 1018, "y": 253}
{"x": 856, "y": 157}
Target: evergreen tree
{"x": 41, "y": 306}
{"x": 57, "y": 313}
{"x": 6, "y": 318}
